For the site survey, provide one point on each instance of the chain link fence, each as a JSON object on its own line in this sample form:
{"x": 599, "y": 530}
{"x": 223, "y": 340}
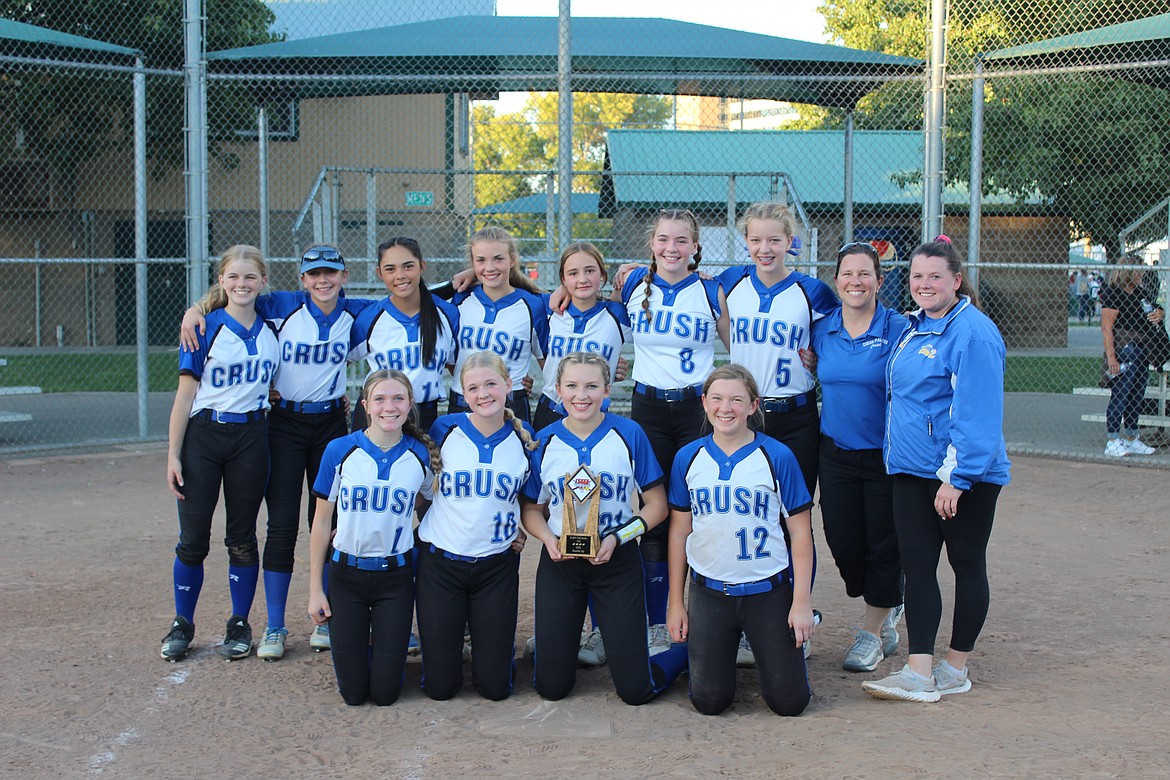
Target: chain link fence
{"x": 348, "y": 123}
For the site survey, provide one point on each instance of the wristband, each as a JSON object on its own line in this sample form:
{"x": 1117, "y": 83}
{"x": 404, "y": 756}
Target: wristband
{"x": 631, "y": 530}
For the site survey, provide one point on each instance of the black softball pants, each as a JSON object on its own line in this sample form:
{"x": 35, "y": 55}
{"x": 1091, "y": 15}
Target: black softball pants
{"x": 669, "y": 425}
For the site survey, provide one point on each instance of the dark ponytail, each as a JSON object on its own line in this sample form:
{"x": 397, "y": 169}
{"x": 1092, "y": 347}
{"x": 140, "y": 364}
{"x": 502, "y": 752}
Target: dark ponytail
{"x": 430, "y": 324}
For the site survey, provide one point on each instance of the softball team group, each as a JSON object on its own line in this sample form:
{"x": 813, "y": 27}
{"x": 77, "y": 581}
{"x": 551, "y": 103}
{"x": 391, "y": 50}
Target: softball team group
{"x": 707, "y": 559}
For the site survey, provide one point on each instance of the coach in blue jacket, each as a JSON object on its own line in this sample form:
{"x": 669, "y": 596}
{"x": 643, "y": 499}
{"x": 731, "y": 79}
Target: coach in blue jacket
{"x": 944, "y": 447}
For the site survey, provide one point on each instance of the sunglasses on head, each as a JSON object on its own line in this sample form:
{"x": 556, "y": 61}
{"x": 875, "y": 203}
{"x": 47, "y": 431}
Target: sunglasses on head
{"x": 864, "y": 247}
{"x": 320, "y": 253}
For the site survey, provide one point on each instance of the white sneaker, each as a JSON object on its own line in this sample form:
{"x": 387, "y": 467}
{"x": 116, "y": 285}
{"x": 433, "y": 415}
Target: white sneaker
{"x": 592, "y": 652}
{"x": 1136, "y": 446}
{"x": 659, "y": 638}
{"x": 1116, "y": 448}
{"x": 744, "y": 657}
{"x": 319, "y": 639}
{"x": 271, "y": 647}
{"x": 530, "y": 648}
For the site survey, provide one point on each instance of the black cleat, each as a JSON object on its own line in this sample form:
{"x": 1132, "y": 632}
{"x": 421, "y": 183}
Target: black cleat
{"x": 237, "y": 639}
{"x": 177, "y": 643}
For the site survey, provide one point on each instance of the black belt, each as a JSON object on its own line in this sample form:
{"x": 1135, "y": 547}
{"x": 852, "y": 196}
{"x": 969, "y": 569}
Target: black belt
{"x": 740, "y": 588}
{"x": 672, "y": 394}
{"x": 230, "y": 417}
{"x": 369, "y": 564}
{"x": 789, "y": 404}
{"x": 311, "y": 407}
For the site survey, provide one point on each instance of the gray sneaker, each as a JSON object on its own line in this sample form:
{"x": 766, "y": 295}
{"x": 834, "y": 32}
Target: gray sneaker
{"x": 947, "y": 682}
{"x": 237, "y": 639}
{"x": 744, "y": 657}
{"x": 890, "y": 630}
{"x": 592, "y": 652}
{"x": 866, "y": 653}
{"x": 906, "y": 685}
{"x": 319, "y": 640}
{"x": 271, "y": 647}
{"x": 659, "y": 639}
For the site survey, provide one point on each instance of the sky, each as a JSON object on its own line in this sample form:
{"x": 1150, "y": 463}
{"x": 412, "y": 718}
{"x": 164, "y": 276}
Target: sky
{"x": 791, "y": 19}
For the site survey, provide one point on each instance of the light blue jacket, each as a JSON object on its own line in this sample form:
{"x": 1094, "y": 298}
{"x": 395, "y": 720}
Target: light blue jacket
{"x": 944, "y": 384}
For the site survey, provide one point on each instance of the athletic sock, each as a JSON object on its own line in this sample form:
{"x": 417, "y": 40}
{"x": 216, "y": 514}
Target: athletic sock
{"x": 276, "y": 596}
{"x": 188, "y": 583}
{"x": 665, "y": 667}
{"x": 657, "y": 590}
{"x": 592, "y": 616}
{"x": 242, "y": 583}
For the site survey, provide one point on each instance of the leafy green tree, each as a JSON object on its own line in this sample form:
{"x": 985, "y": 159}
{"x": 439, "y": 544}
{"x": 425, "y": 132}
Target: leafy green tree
{"x": 1092, "y": 147}
{"x": 66, "y": 118}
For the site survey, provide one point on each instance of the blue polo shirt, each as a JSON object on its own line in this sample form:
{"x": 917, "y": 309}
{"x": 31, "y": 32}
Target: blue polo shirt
{"x": 852, "y": 372}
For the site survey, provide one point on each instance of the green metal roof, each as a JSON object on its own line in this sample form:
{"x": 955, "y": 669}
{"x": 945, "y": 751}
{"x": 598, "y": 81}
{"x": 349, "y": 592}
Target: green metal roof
{"x": 18, "y": 39}
{"x": 499, "y": 53}
{"x": 1140, "y": 41}
{"x": 813, "y": 159}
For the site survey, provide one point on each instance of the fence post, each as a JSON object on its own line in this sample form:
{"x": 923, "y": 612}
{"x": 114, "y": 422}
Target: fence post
{"x": 195, "y": 85}
{"x": 848, "y": 190}
{"x": 975, "y": 208}
{"x": 932, "y": 217}
{"x": 140, "y": 278}
{"x": 565, "y": 130}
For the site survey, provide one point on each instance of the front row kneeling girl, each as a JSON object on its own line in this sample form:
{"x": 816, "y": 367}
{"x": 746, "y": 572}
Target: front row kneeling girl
{"x": 619, "y": 455}
{"x": 732, "y": 495}
{"x": 373, "y": 478}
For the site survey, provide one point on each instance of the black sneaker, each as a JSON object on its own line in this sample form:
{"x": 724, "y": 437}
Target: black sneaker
{"x": 176, "y": 644}
{"x": 237, "y": 640}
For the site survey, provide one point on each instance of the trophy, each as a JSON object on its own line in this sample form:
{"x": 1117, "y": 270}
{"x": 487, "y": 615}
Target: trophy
{"x": 580, "y": 488}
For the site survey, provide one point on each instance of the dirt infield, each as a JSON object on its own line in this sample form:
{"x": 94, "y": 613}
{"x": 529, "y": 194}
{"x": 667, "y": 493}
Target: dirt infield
{"x": 1070, "y": 675}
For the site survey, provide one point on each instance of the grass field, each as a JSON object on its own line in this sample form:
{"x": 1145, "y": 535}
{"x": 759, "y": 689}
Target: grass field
{"x": 117, "y": 372}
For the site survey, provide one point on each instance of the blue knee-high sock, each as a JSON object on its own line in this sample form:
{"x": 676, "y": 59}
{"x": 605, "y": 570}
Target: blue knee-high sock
{"x": 657, "y": 590}
{"x": 592, "y": 616}
{"x": 665, "y": 667}
{"x": 188, "y": 583}
{"x": 242, "y": 583}
{"x": 276, "y": 596}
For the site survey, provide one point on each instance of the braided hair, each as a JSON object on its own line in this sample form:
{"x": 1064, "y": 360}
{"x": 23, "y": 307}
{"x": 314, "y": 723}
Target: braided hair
{"x": 672, "y": 215}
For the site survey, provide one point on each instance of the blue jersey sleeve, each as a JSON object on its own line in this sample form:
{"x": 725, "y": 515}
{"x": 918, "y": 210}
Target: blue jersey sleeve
{"x": 678, "y": 493}
{"x": 356, "y": 306}
{"x": 621, "y": 315}
{"x": 192, "y": 362}
{"x": 789, "y": 478}
{"x": 532, "y": 486}
{"x": 424, "y": 456}
{"x": 633, "y": 279}
{"x": 728, "y": 278}
{"x": 278, "y": 304}
{"x": 823, "y": 300}
{"x": 539, "y": 324}
{"x": 647, "y": 472}
{"x": 711, "y": 286}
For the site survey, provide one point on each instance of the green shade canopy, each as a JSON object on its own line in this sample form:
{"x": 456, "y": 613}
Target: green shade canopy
{"x": 26, "y": 40}
{"x": 580, "y": 202}
{"x": 813, "y": 159}
{"x": 489, "y": 54}
{"x": 1142, "y": 40}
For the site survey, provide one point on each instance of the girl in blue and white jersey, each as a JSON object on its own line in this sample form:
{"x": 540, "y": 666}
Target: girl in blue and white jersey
{"x": 944, "y": 447}
{"x": 218, "y": 435}
{"x": 503, "y": 314}
{"x": 373, "y": 479}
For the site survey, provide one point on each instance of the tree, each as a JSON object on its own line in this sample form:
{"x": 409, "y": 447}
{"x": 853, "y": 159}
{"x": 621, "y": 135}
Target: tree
{"x": 1091, "y": 147}
{"x": 529, "y": 139}
{"x": 66, "y": 117}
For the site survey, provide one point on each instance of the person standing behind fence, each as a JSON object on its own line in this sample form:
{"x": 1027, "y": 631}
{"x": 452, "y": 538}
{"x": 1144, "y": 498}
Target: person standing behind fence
{"x": 852, "y": 346}
{"x": 1127, "y": 316}
{"x": 218, "y": 435}
{"x": 944, "y": 448}
{"x": 1084, "y": 310}
{"x": 373, "y": 479}
{"x": 313, "y": 326}
{"x": 503, "y": 314}
{"x": 410, "y": 330}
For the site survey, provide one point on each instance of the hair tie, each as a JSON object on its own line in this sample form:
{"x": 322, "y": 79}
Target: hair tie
{"x": 943, "y": 237}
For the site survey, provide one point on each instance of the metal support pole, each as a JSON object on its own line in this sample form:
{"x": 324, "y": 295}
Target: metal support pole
{"x": 975, "y": 206}
{"x": 262, "y": 147}
{"x": 37, "y": 314}
{"x": 848, "y": 215}
{"x": 932, "y": 224}
{"x": 372, "y": 218}
{"x": 731, "y": 209}
{"x": 140, "y": 280}
{"x": 196, "y": 140}
{"x": 550, "y": 215}
{"x": 565, "y": 130}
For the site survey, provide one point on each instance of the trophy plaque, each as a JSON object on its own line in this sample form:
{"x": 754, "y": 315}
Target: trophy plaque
{"x": 581, "y": 488}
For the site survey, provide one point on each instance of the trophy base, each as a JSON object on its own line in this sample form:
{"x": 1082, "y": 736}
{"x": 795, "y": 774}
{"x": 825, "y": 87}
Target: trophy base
{"x": 579, "y": 546}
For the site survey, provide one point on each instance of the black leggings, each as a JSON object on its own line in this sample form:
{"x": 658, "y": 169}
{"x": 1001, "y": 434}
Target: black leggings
{"x": 715, "y": 623}
{"x": 669, "y": 425}
{"x": 482, "y": 596}
{"x": 369, "y": 631}
{"x": 618, "y": 592}
{"x": 296, "y": 444}
{"x": 921, "y": 537}
{"x": 236, "y": 456}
